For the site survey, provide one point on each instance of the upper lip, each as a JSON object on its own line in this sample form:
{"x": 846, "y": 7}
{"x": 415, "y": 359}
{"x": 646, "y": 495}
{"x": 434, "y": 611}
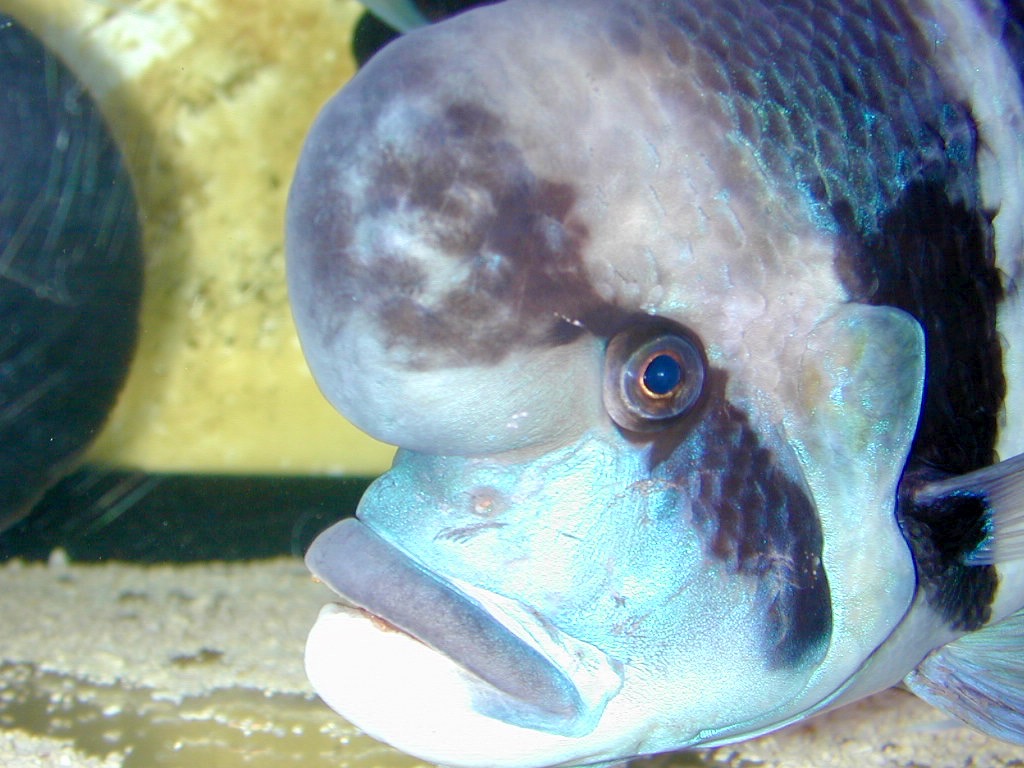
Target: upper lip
{"x": 536, "y": 676}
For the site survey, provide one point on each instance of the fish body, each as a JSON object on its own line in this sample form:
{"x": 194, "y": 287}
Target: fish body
{"x": 698, "y": 327}
{"x": 71, "y": 270}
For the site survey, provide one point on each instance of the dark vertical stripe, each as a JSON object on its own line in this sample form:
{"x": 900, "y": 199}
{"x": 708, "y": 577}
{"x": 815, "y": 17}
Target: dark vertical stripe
{"x": 1013, "y": 35}
{"x": 932, "y": 254}
{"x": 934, "y": 258}
{"x": 756, "y": 520}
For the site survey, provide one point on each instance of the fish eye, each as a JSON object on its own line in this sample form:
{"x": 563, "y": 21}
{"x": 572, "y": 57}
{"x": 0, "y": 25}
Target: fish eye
{"x": 662, "y": 374}
{"x": 654, "y": 373}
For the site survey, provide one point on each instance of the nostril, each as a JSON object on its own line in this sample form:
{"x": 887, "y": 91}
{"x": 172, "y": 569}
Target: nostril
{"x": 487, "y": 502}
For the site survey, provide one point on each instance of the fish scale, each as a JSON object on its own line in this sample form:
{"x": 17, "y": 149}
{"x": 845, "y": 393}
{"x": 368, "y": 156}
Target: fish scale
{"x": 808, "y": 67}
{"x": 807, "y": 216}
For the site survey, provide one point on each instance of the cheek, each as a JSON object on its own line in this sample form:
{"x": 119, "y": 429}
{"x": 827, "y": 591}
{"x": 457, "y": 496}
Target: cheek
{"x": 757, "y": 521}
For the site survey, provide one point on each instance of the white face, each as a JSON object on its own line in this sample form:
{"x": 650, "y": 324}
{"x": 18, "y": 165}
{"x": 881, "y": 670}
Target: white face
{"x": 489, "y": 290}
{"x": 675, "y": 622}
{"x": 598, "y": 565}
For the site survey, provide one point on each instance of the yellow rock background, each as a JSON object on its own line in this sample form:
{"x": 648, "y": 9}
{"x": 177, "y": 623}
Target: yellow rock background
{"x": 210, "y": 100}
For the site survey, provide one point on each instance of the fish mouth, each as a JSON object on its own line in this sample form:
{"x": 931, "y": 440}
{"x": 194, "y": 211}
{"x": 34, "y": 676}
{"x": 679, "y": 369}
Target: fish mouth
{"x": 520, "y": 668}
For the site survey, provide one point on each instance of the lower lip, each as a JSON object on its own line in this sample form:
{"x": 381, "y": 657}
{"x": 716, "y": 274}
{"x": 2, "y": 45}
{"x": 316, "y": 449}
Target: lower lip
{"x": 370, "y": 574}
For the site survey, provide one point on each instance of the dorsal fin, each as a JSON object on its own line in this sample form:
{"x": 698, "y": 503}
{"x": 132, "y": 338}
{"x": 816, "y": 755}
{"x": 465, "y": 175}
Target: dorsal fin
{"x": 402, "y": 15}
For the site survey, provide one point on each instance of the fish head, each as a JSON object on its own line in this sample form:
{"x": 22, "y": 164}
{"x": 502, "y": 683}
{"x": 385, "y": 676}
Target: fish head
{"x": 648, "y": 451}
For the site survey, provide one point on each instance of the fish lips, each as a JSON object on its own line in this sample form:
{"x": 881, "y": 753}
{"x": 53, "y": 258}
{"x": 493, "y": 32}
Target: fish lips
{"x": 518, "y": 668}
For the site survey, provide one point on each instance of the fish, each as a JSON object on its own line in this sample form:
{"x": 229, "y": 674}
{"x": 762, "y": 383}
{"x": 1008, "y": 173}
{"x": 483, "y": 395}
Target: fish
{"x": 698, "y": 327}
{"x": 384, "y": 20}
{"x": 71, "y": 270}
{"x": 399, "y": 16}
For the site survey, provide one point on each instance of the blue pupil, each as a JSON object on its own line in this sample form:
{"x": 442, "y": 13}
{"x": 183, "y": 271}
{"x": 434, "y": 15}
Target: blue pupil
{"x": 662, "y": 375}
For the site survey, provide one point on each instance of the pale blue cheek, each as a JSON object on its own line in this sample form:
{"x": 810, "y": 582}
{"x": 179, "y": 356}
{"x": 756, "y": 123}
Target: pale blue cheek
{"x": 582, "y": 535}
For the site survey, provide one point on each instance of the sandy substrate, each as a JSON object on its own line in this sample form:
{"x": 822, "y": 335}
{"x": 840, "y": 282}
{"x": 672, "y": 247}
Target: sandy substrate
{"x": 201, "y": 665}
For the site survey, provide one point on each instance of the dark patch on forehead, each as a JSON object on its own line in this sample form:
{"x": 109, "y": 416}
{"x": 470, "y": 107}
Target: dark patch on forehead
{"x": 757, "y": 520}
{"x": 462, "y": 188}
{"x": 626, "y": 29}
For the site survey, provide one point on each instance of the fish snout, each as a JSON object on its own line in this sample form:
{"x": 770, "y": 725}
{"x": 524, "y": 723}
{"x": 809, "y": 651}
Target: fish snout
{"x": 514, "y": 665}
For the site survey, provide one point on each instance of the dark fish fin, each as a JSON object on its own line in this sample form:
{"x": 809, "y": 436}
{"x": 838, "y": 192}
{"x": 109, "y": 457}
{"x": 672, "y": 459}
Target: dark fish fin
{"x": 1001, "y": 487}
{"x": 401, "y": 15}
{"x": 386, "y": 20}
{"x": 979, "y": 679}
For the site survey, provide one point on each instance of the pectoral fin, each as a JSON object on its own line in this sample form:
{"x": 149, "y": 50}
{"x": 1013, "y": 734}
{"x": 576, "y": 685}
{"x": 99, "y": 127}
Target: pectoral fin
{"x": 1001, "y": 488}
{"x": 979, "y": 679}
